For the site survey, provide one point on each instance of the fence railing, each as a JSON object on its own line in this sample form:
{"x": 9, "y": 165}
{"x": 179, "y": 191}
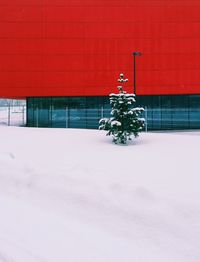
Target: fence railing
{"x": 13, "y": 115}
{"x": 156, "y": 118}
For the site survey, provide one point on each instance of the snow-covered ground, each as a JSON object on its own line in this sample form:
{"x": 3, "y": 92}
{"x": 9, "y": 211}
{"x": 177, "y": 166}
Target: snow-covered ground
{"x": 71, "y": 195}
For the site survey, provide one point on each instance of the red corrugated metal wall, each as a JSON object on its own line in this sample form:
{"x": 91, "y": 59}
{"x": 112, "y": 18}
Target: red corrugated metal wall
{"x": 79, "y": 47}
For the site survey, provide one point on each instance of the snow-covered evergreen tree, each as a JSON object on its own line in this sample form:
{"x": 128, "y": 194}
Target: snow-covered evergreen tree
{"x": 125, "y": 120}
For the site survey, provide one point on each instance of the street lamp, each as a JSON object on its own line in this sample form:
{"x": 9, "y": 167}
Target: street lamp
{"x": 134, "y": 69}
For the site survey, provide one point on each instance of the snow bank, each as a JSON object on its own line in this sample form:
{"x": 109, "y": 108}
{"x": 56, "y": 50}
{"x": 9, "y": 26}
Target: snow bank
{"x": 72, "y": 195}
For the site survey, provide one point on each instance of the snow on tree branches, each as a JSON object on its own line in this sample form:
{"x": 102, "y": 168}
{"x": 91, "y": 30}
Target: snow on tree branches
{"x": 125, "y": 120}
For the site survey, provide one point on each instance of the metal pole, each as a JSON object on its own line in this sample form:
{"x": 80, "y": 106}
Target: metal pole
{"x": 146, "y": 121}
{"x": 37, "y": 116}
{"x": 23, "y": 115}
{"x": 102, "y": 112}
{"x": 66, "y": 116}
{"x": 134, "y": 72}
{"x": 9, "y": 114}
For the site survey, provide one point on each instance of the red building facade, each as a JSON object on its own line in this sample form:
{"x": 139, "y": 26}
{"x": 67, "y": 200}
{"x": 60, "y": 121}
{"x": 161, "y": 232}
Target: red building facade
{"x": 64, "y": 56}
{"x": 78, "y": 47}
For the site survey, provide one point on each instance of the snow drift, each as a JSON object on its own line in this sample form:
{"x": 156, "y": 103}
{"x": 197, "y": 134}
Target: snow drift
{"x": 72, "y": 195}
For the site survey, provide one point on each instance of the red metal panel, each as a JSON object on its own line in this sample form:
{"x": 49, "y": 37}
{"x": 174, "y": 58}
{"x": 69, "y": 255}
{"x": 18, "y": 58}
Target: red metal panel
{"x": 78, "y": 47}
{"x": 21, "y": 13}
{"x": 21, "y": 2}
{"x": 28, "y": 63}
{"x": 9, "y": 46}
{"x": 20, "y": 30}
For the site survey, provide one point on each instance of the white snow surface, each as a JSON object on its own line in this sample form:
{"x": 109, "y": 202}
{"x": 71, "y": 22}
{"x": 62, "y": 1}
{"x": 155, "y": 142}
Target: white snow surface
{"x": 72, "y": 195}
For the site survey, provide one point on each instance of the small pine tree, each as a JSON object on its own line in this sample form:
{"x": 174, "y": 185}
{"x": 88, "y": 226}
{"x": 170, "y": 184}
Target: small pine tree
{"x": 125, "y": 120}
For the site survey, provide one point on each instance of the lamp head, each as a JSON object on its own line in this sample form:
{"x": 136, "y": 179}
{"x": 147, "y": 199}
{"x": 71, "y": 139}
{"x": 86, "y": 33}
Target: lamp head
{"x": 137, "y": 53}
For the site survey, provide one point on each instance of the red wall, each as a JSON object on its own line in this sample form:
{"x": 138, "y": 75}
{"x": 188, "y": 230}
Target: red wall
{"x": 79, "y": 47}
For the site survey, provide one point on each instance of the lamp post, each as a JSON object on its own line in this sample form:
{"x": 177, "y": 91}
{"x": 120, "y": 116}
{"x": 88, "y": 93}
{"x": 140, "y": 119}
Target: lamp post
{"x": 134, "y": 69}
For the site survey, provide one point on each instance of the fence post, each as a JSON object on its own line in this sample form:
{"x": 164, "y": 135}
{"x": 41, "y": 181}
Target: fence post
{"x": 146, "y": 122}
{"x": 102, "y": 112}
{"x": 37, "y": 116}
{"x": 23, "y": 116}
{"x": 9, "y": 114}
{"x": 66, "y": 116}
